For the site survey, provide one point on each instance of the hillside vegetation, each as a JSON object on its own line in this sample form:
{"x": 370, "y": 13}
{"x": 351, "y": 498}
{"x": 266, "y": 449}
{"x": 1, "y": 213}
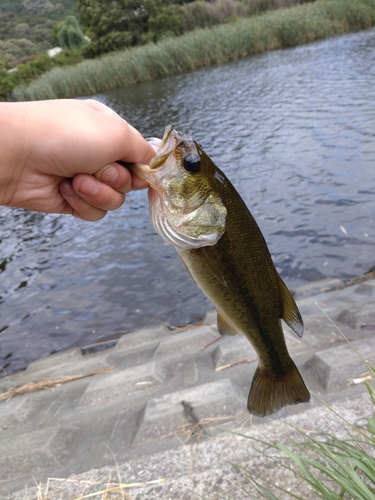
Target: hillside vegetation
{"x": 204, "y": 47}
{"x": 26, "y": 26}
{"x": 30, "y": 27}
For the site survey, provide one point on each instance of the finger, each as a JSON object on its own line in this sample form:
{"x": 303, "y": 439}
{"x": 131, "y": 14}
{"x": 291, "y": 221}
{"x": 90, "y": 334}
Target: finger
{"x": 138, "y": 183}
{"x": 134, "y": 148}
{"x": 116, "y": 176}
{"x": 77, "y": 206}
{"x": 97, "y": 193}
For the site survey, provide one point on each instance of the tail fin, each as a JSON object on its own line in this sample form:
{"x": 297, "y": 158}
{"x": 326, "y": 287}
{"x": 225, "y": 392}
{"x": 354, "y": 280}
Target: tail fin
{"x": 269, "y": 393}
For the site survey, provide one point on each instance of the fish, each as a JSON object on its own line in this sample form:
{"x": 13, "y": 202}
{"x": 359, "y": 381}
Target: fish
{"x": 195, "y": 207}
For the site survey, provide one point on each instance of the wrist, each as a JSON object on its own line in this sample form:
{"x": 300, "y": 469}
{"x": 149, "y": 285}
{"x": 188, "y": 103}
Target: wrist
{"x": 12, "y": 147}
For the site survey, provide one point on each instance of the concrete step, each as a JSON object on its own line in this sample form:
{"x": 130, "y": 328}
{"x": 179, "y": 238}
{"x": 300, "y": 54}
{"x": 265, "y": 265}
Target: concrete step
{"x": 164, "y": 381}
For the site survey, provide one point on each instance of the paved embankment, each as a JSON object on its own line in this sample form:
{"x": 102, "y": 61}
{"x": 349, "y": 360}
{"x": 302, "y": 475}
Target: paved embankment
{"x": 160, "y": 388}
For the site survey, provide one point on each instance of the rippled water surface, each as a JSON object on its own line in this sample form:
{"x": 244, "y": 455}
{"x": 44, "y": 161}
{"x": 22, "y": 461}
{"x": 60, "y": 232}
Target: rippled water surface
{"x": 295, "y": 132}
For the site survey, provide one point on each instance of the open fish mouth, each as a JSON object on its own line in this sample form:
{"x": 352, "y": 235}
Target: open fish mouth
{"x": 165, "y": 147}
{"x": 173, "y": 142}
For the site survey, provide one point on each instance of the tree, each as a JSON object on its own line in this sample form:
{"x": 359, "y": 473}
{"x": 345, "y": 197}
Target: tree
{"x": 69, "y": 34}
{"x": 6, "y": 84}
{"x": 117, "y": 24}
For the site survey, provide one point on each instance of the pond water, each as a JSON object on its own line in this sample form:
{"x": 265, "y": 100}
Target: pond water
{"x": 294, "y": 130}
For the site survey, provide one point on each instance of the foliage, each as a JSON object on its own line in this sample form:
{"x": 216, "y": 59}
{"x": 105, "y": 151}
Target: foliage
{"x": 6, "y": 85}
{"x": 69, "y": 34}
{"x": 301, "y": 24}
{"x": 145, "y": 21}
{"x": 118, "y": 24}
{"x": 31, "y": 21}
{"x": 29, "y": 70}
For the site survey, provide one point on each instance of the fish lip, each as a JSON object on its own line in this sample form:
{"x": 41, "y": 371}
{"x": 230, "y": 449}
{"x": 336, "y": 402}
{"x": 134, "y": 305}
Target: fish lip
{"x": 170, "y": 141}
{"x": 166, "y": 147}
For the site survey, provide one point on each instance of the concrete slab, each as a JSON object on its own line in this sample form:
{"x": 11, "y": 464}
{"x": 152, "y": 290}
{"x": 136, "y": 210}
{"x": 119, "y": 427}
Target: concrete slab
{"x": 196, "y": 337}
{"x": 166, "y": 381}
{"x": 127, "y": 357}
{"x": 190, "y": 371}
{"x": 143, "y": 336}
{"x": 59, "y": 359}
{"x": 166, "y": 414}
{"x": 334, "y": 368}
{"x": 10, "y": 412}
{"x": 40, "y": 449}
{"x": 122, "y": 383}
{"x": 317, "y": 287}
{"x": 232, "y": 349}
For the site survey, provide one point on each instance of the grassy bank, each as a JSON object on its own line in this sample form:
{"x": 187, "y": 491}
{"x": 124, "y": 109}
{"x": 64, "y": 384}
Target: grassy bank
{"x": 205, "y": 47}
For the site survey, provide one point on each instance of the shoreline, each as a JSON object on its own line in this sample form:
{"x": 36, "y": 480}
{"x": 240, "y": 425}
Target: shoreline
{"x": 283, "y": 28}
{"x": 207, "y": 317}
{"x": 124, "y": 405}
{"x": 300, "y": 292}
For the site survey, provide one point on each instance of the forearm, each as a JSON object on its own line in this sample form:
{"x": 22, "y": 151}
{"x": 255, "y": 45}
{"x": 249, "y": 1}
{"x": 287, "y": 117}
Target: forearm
{"x": 13, "y": 148}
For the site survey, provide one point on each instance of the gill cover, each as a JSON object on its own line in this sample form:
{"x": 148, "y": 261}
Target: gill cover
{"x": 185, "y": 209}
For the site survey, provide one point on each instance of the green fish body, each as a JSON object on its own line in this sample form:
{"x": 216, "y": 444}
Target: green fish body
{"x": 195, "y": 207}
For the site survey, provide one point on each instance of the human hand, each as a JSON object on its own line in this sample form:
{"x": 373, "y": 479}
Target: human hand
{"x": 60, "y": 157}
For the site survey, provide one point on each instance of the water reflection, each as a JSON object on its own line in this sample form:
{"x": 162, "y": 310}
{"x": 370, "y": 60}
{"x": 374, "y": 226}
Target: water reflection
{"x": 294, "y": 131}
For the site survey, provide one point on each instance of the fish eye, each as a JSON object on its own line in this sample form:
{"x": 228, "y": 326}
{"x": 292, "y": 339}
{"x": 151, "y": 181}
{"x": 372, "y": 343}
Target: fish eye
{"x": 192, "y": 163}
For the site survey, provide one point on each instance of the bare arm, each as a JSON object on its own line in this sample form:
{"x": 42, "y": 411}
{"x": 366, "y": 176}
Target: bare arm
{"x": 60, "y": 157}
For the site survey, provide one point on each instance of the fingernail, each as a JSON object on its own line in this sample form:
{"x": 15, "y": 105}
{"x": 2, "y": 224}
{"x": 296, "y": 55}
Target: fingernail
{"x": 66, "y": 188}
{"x": 110, "y": 174}
{"x": 89, "y": 186}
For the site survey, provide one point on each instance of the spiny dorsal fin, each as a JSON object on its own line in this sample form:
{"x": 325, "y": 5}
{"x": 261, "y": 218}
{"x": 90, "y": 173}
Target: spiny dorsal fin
{"x": 291, "y": 314}
{"x": 224, "y": 327}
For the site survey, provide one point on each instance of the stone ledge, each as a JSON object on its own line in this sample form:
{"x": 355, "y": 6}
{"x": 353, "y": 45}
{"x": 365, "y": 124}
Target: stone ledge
{"x": 40, "y": 449}
{"x": 143, "y": 336}
{"x": 334, "y": 368}
{"x": 198, "y": 336}
{"x": 232, "y": 349}
{"x": 57, "y": 359}
{"x": 317, "y": 287}
{"x": 122, "y": 384}
{"x": 164, "y": 415}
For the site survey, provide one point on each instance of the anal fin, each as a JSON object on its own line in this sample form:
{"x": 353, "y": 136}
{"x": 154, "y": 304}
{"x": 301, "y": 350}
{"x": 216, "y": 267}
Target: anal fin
{"x": 224, "y": 326}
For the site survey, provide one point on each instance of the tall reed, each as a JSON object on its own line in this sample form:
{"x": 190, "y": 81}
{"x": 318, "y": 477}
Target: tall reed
{"x": 204, "y": 47}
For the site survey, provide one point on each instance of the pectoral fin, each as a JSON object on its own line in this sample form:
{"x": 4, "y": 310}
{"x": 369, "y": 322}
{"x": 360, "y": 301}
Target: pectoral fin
{"x": 290, "y": 314}
{"x": 224, "y": 327}
{"x": 211, "y": 265}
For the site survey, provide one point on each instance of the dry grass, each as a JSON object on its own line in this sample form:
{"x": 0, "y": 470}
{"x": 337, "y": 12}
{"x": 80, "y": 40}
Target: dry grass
{"x": 56, "y": 489}
{"x": 46, "y": 384}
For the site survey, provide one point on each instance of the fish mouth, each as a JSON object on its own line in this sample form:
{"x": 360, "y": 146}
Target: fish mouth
{"x": 166, "y": 147}
{"x": 173, "y": 143}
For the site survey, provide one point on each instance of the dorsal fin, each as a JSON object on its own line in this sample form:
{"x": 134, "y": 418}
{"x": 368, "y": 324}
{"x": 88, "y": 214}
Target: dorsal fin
{"x": 224, "y": 326}
{"x": 290, "y": 314}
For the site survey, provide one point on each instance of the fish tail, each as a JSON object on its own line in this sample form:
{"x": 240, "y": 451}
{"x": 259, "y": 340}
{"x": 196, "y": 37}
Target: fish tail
{"x": 270, "y": 392}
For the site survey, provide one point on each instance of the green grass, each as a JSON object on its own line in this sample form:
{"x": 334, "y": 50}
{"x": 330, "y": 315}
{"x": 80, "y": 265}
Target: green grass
{"x": 331, "y": 468}
{"x": 204, "y": 47}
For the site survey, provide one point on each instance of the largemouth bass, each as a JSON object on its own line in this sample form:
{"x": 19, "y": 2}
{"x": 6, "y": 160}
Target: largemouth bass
{"x": 194, "y": 207}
